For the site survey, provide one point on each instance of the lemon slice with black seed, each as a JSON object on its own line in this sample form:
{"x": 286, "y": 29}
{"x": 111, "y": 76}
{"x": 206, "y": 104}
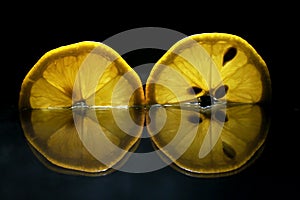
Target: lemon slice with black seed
{"x": 207, "y": 68}
{"x": 217, "y": 142}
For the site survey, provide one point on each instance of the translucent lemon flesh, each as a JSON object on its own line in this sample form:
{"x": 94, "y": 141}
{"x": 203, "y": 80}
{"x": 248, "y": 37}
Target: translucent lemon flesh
{"x": 84, "y": 140}
{"x": 84, "y": 73}
{"x": 218, "y": 142}
{"x": 219, "y": 65}
{"x": 202, "y": 68}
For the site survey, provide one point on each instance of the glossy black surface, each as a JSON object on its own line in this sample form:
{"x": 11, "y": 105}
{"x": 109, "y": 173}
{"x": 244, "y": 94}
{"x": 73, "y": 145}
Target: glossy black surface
{"x": 24, "y": 175}
{"x": 274, "y": 173}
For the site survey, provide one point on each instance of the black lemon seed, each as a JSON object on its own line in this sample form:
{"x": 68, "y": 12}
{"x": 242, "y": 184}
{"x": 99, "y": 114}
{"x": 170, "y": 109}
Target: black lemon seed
{"x": 229, "y": 55}
{"x": 221, "y": 91}
{"x": 194, "y": 90}
{"x": 221, "y": 116}
{"x": 228, "y": 150}
{"x": 194, "y": 119}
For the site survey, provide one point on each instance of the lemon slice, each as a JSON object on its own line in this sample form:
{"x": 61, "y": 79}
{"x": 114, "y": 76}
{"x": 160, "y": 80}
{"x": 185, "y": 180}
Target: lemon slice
{"x": 209, "y": 67}
{"x": 81, "y": 140}
{"x": 82, "y": 74}
{"x": 210, "y": 143}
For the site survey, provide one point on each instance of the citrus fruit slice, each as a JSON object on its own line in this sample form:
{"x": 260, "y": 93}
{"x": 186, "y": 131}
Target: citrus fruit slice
{"x": 209, "y": 67}
{"x": 81, "y": 140}
{"x": 80, "y": 74}
{"x": 210, "y": 143}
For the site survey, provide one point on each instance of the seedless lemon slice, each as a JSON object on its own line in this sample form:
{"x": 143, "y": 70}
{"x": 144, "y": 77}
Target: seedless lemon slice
{"x": 81, "y": 140}
{"x": 84, "y": 73}
{"x": 221, "y": 66}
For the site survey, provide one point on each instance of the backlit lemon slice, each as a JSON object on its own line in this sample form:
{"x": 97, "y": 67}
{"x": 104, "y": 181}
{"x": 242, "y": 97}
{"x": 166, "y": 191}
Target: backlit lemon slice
{"x": 80, "y": 74}
{"x": 209, "y": 66}
{"x": 210, "y": 143}
{"x": 81, "y": 140}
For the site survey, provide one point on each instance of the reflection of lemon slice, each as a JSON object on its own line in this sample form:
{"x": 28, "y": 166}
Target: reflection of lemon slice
{"x": 217, "y": 65}
{"x": 82, "y": 140}
{"x": 83, "y": 73}
{"x": 211, "y": 143}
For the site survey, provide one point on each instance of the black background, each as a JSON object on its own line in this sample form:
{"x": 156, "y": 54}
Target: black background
{"x": 271, "y": 31}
